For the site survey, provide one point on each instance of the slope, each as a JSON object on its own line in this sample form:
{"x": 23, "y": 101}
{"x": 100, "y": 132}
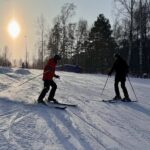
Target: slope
{"x": 92, "y": 125}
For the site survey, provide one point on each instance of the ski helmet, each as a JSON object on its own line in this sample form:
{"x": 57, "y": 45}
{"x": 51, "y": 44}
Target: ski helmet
{"x": 117, "y": 55}
{"x": 57, "y": 57}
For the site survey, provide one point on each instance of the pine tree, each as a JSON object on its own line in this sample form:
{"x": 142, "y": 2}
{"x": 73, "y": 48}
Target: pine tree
{"x": 102, "y": 45}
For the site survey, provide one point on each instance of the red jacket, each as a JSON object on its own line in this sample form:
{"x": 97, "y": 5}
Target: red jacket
{"x": 49, "y": 69}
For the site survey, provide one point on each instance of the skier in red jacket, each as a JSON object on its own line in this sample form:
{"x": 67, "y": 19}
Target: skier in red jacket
{"x": 48, "y": 74}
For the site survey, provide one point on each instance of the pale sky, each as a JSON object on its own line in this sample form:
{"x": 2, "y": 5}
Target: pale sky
{"x": 26, "y": 13}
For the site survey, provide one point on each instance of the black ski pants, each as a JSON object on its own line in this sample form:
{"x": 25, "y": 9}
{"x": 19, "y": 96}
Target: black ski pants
{"x": 47, "y": 84}
{"x": 116, "y": 86}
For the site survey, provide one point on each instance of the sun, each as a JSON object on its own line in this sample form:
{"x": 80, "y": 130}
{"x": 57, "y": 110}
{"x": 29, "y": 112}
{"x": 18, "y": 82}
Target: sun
{"x": 14, "y": 29}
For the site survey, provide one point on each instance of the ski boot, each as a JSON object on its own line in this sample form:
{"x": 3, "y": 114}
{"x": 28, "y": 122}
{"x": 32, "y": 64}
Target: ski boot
{"x": 41, "y": 102}
{"x": 53, "y": 100}
{"x": 126, "y": 99}
{"x": 117, "y": 98}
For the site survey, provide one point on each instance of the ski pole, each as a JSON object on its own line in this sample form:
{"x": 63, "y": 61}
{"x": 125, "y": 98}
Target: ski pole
{"x": 104, "y": 85}
{"x": 32, "y": 78}
{"x": 132, "y": 88}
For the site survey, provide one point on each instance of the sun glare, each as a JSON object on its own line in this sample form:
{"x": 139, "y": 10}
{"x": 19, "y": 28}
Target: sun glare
{"x": 14, "y": 29}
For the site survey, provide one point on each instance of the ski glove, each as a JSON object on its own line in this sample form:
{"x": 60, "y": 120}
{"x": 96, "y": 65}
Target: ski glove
{"x": 56, "y": 76}
{"x": 109, "y": 74}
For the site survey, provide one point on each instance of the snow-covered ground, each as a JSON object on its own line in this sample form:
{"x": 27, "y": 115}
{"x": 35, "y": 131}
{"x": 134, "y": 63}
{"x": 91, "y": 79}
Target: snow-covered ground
{"x": 93, "y": 125}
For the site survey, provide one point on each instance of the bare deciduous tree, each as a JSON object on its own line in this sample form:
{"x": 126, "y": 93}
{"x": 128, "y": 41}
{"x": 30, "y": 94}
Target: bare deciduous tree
{"x": 67, "y": 11}
{"x": 81, "y": 37}
{"x": 41, "y": 27}
{"x": 128, "y": 6}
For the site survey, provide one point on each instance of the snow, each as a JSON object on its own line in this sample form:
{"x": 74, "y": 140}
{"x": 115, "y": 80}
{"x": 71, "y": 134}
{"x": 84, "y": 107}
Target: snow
{"x": 93, "y": 125}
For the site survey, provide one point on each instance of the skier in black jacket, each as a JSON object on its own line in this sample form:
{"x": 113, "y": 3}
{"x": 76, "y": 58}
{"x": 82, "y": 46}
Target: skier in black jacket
{"x": 121, "y": 69}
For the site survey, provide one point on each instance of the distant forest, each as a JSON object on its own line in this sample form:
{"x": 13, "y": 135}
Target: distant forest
{"x": 93, "y": 47}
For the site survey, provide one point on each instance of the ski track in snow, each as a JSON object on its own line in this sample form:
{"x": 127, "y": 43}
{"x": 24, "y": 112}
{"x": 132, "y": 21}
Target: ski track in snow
{"x": 93, "y": 125}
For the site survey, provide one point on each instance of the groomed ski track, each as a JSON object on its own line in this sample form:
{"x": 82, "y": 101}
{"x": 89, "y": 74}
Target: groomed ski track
{"x": 93, "y": 125}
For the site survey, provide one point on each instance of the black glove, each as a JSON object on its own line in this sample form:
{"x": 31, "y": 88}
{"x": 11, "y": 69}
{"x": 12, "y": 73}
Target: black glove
{"x": 49, "y": 69}
{"x": 56, "y": 76}
{"x": 109, "y": 74}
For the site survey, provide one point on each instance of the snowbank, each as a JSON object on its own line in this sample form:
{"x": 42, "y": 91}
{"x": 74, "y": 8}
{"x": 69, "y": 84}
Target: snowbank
{"x": 23, "y": 71}
{"x": 4, "y": 70}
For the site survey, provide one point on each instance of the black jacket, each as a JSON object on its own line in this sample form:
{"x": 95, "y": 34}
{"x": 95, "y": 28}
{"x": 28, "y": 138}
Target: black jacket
{"x": 120, "y": 67}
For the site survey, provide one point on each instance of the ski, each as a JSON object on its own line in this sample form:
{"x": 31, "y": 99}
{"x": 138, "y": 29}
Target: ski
{"x": 116, "y": 101}
{"x": 62, "y": 104}
{"x": 109, "y": 101}
{"x": 53, "y": 106}
{"x": 56, "y": 106}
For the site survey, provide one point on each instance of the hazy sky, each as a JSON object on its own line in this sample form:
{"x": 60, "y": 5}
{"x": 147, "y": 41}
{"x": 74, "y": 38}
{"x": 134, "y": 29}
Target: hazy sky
{"x": 26, "y": 13}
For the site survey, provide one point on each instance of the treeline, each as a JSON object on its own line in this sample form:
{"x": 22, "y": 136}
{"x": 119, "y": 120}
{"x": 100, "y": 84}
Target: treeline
{"x": 93, "y": 47}
{"x": 4, "y": 58}
{"x": 132, "y": 33}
